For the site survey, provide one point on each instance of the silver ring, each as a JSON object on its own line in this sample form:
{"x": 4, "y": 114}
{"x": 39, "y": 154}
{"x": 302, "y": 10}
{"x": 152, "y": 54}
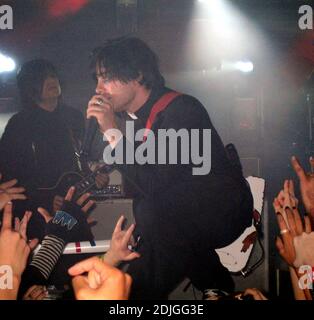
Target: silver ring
{"x": 99, "y": 102}
{"x": 284, "y": 231}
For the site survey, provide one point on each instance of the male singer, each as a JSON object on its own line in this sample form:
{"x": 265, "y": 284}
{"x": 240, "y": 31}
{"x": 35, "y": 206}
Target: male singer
{"x": 181, "y": 217}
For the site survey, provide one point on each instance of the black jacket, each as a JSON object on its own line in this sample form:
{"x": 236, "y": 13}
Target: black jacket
{"x": 36, "y": 147}
{"x": 198, "y": 206}
{"x": 182, "y": 217}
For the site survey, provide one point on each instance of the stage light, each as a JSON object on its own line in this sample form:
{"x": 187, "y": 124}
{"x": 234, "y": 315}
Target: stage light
{"x": 7, "y": 64}
{"x": 219, "y": 30}
{"x": 244, "y": 66}
{"x": 61, "y": 8}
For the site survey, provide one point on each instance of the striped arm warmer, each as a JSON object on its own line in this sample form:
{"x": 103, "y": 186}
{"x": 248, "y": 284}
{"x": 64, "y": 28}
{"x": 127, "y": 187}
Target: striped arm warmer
{"x": 48, "y": 255}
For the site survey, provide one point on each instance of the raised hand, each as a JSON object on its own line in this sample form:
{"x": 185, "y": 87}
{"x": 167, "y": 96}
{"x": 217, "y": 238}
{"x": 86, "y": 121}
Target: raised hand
{"x": 119, "y": 246}
{"x": 14, "y": 248}
{"x": 9, "y": 192}
{"x": 21, "y": 226}
{"x": 293, "y": 240}
{"x": 306, "y": 185}
{"x": 57, "y": 203}
{"x": 47, "y": 216}
{"x": 70, "y": 223}
{"x": 102, "y": 282}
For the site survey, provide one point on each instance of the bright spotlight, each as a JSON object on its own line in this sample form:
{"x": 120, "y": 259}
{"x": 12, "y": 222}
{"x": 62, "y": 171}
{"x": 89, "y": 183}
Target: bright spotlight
{"x": 7, "y": 64}
{"x": 244, "y": 66}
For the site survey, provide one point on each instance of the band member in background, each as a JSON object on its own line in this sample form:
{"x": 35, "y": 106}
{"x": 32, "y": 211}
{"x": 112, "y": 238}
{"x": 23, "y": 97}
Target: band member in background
{"x": 181, "y": 218}
{"x": 41, "y": 142}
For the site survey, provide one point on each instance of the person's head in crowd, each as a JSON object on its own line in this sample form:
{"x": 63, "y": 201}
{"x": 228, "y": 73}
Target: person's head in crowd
{"x": 38, "y": 83}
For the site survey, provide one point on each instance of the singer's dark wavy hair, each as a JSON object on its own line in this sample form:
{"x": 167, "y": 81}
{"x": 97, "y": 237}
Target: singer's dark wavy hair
{"x": 126, "y": 59}
{"x": 30, "y": 80}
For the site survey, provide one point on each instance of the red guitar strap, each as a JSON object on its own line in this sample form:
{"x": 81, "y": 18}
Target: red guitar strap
{"x": 159, "y": 106}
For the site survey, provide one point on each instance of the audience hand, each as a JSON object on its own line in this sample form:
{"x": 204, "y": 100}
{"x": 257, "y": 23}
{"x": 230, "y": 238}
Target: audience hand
{"x": 9, "y": 192}
{"x": 103, "y": 282}
{"x": 57, "y": 203}
{"x": 21, "y": 226}
{"x": 70, "y": 223}
{"x": 255, "y": 293}
{"x": 14, "y": 249}
{"x": 47, "y": 216}
{"x": 36, "y": 292}
{"x": 119, "y": 250}
{"x": 306, "y": 185}
{"x": 293, "y": 243}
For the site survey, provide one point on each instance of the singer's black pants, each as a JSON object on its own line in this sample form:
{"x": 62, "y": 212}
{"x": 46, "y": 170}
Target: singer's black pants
{"x": 180, "y": 232}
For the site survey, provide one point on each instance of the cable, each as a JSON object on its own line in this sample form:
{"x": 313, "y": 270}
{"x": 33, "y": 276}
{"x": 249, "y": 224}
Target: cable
{"x": 246, "y": 271}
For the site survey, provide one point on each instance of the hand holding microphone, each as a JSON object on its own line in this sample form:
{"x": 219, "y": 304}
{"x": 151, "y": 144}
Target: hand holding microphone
{"x": 94, "y": 117}
{"x": 102, "y": 109}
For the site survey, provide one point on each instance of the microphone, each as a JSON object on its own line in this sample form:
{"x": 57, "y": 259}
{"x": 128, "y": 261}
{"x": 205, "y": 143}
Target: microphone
{"x": 92, "y": 126}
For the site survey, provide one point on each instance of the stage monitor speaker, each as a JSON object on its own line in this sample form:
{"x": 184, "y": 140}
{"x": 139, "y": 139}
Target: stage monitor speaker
{"x": 107, "y": 214}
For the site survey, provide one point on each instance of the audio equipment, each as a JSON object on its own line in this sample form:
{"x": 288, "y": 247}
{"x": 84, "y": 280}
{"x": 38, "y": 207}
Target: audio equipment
{"x": 107, "y": 213}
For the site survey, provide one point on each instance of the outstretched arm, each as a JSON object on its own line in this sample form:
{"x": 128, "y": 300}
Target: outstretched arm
{"x": 119, "y": 247}
{"x": 65, "y": 226}
{"x": 102, "y": 282}
{"x": 306, "y": 185}
{"x": 14, "y": 250}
